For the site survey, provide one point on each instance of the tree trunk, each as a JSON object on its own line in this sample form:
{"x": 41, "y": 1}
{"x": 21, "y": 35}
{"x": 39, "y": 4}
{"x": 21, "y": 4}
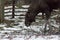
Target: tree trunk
{"x": 13, "y": 8}
{"x": 1, "y": 11}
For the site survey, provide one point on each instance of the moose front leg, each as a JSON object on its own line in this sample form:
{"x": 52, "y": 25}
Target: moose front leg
{"x": 45, "y": 28}
{"x": 47, "y": 14}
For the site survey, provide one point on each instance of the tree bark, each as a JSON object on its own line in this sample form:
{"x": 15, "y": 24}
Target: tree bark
{"x": 13, "y": 8}
{"x": 1, "y": 11}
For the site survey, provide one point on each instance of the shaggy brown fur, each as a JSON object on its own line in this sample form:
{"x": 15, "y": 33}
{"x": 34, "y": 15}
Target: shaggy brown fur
{"x": 44, "y": 6}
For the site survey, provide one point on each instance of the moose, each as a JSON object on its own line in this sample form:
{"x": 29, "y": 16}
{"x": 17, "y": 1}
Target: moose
{"x": 43, "y": 6}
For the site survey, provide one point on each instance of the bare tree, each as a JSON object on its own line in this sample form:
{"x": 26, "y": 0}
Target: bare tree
{"x": 13, "y": 8}
{"x": 1, "y": 11}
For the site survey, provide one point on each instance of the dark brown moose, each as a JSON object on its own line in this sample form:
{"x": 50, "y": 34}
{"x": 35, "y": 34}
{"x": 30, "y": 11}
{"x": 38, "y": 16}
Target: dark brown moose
{"x": 37, "y": 6}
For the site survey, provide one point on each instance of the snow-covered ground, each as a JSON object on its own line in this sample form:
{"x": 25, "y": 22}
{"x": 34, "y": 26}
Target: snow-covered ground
{"x": 21, "y": 32}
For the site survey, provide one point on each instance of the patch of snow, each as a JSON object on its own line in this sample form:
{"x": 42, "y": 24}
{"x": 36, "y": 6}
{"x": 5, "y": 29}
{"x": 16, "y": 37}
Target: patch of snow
{"x": 7, "y": 17}
{"x": 1, "y": 25}
{"x": 51, "y": 37}
{"x": 8, "y": 10}
{"x": 17, "y": 39}
{"x": 19, "y": 13}
{"x": 5, "y": 31}
{"x": 8, "y": 14}
{"x": 25, "y": 6}
{"x": 9, "y": 7}
{"x": 12, "y": 29}
{"x": 54, "y": 16}
{"x": 4, "y": 39}
{"x": 21, "y": 9}
{"x": 55, "y": 25}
